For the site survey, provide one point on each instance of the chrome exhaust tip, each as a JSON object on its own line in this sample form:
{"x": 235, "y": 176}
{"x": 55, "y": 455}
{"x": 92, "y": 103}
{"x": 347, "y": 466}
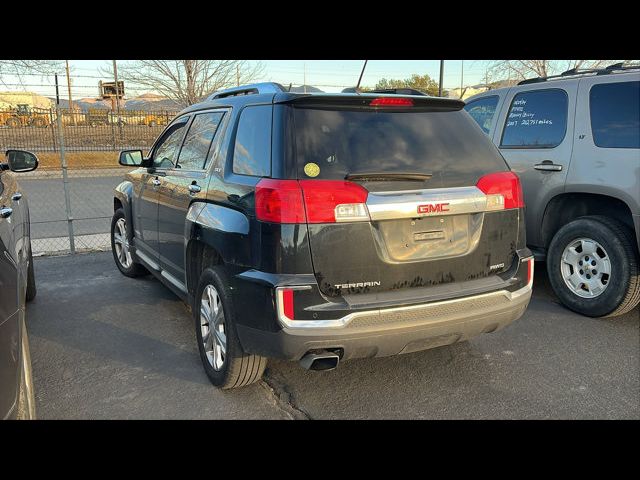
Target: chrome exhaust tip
{"x": 321, "y": 360}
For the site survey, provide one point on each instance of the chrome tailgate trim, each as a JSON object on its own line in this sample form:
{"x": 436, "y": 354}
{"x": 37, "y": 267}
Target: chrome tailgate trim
{"x": 434, "y": 202}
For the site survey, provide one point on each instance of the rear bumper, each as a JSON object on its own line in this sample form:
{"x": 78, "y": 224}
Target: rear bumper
{"x": 385, "y": 332}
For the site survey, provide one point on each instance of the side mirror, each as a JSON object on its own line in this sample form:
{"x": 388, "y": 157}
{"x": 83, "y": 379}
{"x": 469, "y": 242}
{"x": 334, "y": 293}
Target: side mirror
{"x": 21, "y": 161}
{"x": 131, "y": 158}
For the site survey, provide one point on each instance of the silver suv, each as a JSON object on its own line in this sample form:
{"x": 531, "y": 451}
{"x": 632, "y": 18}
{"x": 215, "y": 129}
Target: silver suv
{"x": 574, "y": 140}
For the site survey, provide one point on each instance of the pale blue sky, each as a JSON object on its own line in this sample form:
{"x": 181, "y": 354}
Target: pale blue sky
{"x": 328, "y": 75}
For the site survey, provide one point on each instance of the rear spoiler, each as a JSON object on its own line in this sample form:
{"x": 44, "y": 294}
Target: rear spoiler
{"x": 364, "y": 100}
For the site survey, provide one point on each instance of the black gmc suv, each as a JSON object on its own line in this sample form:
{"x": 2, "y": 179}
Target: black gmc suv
{"x": 324, "y": 227}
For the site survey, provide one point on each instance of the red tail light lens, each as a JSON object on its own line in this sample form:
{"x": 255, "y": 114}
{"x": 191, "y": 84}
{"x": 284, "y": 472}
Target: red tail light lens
{"x": 329, "y": 201}
{"x": 312, "y": 201}
{"x": 505, "y": 185}
{"x": 530, "y": 271}
{"x": 279, "y": 201}
{"x": 391, "y": 102}
{"x": 287, "y": 303}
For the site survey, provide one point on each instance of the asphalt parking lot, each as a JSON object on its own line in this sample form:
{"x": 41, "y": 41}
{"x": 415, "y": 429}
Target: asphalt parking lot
{"x": 109, "y": 347}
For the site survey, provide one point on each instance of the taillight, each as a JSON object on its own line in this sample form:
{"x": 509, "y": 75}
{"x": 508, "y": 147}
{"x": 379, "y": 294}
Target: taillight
{"x": 329, "y": 201}
{"x": 391, "y": 102}
{"x": 312, "y": 201}
{"x": 502, "y": 189}
{"x": 287, "y": 303}
{"x": 279, "y": 201}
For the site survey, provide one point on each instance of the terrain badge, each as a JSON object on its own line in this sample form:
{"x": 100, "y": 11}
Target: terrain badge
{"x": 312, "y": 170}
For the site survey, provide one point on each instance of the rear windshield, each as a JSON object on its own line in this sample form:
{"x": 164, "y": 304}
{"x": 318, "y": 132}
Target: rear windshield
{"x": 447, "y": 145}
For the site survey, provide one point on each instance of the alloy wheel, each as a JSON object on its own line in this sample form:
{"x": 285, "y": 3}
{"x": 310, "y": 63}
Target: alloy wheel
{"x": 121, "y": 243}
{"x": 212, "y": 327}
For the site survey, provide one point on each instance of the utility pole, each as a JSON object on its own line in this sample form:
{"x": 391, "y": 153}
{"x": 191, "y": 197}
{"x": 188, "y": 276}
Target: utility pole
{"x": 461, "y": 79}
{"x": 238, "y": 74}
{"x": 115, "y": 75}
{"x": 63, "y": 162}
{"x": 441, "y": 75}
{"x": 70, "y": 99}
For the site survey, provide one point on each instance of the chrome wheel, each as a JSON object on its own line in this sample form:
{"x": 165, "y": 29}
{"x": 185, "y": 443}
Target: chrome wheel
{"x": 585, "y": 267}
{"x": 212, "y": 325}
{"x": 121, "y": 243}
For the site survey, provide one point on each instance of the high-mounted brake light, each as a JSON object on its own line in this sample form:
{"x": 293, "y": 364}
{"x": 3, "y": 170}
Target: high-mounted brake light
{"x": 391, "y": 102}
{"x": 503, "y": 190}
{"x": 312, "y": 201}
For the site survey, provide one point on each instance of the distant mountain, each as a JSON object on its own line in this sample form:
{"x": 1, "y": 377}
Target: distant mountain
{"x": 151, "y": 101}
{"x": 146, "y": 102}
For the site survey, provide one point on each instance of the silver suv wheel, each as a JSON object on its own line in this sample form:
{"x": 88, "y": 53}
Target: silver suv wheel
{"x": 121, "y": 243}
{"x": 212, "y": 328}
{"x": 586, "y": 268}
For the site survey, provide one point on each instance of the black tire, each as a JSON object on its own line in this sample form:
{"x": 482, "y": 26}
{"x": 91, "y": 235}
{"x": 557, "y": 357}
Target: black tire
{"x": 238, "y": 368}
{"x": 622, "y": 292}
{"x": 31, "y": 279}
{"x": 133, "y": 270}
{"x": 26, "y": 397}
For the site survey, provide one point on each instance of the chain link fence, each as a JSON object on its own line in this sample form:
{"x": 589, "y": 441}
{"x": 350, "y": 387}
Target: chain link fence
{"x": 94, "y": 130}
{"x": 74, "y": 214}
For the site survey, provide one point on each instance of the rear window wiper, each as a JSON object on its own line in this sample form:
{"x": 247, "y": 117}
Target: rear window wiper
{"x": 382, "y": 177}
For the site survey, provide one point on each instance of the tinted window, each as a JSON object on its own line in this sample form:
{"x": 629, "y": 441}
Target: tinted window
{"x": 536, "y": 119}
{"x": 615, "y": 114}
{"x": 196, "y": 143}
{"x": 482, "y": 111}
{"x": 165, "y": 153}
{"x": 252, "y": 155}
{"x": 333, "y": 143}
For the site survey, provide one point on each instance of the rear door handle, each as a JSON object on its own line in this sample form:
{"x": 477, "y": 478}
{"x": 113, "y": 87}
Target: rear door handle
{"x": 548, "y": 167}
{"x": 194, "y": 188}
{"x": 16, "y": 196}
{"x": 5, "y": 212}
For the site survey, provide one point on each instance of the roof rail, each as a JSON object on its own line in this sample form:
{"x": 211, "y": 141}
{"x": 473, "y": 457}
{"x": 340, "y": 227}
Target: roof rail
{"x": 576, "y": 71}
{"x": 252, "y": 89}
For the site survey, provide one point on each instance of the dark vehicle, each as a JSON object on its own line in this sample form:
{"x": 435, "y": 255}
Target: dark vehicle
{"x": 17, "y": 286}
{"x": 324, "y": 227}
{"x": 574, "y": 140}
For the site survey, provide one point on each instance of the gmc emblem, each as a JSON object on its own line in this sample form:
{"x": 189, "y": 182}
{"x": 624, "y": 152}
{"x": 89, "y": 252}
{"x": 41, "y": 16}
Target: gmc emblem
{"x": 433, "y": 208}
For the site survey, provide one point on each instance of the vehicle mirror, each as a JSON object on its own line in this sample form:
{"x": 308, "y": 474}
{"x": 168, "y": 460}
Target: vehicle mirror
{"x": 21, "y": 160}
{"x": 131, "y": 158}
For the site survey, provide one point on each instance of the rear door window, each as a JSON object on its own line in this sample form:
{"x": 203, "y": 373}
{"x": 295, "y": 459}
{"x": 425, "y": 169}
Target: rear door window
{"x": 252, "y": 153}
{"x": 330, "y": 144}
{"x": 615, "y": 114}
{"x": 198, "y": 140}
{"x": 536, "y": 119}
{"x": 482, "y": 111}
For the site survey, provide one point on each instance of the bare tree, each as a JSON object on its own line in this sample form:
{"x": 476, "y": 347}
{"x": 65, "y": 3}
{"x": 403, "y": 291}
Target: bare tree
{"x": 522, "y": 69}
{"x": 21, "y": 68}
{"x": 187, "y": 81}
